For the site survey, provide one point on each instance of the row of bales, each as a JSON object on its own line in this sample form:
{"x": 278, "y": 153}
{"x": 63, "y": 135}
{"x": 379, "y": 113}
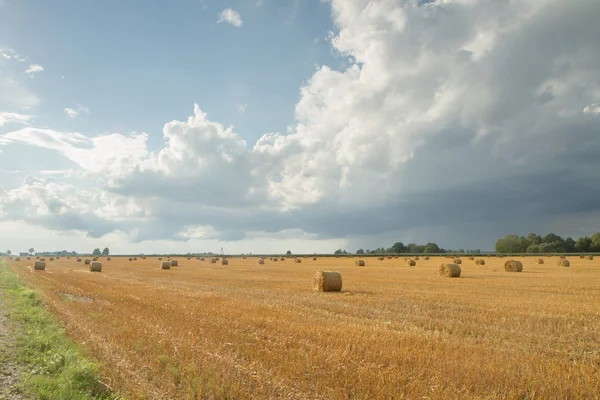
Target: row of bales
{"x": 326, "y": 281}
{"x": 331, "y": 281}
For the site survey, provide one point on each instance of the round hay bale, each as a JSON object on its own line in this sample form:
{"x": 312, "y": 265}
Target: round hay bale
{"x": 314, "y": 258}
{"x": 165, "y": 265}
{"x": 359, "y": 263}
{"x": 471, "y": 258}
{"x": 562, "y": 257}
{"x": 275, "y": 259}
{"x": 261, "y": 261}
{"x": 40, "y": 265}
{"x": 130, "y": 258}
{"x": 298, "y": 260}
{"x": 281, "y": 259}
{"x": 389, "y": 257}
{"x": 96, "y": 266}
{"x": 590, "y": 257}
{"x": 174, "y": 263}
{"x": 411, "y": 263}
{"x": 513, "y": 266}
{"x": 327, "y": 281}
{"x": 243, "y": 257}
{"x": 108, "y": 258}
{"x": 159, "y": 258}
{"x": 564, "y": 263}
{"x": 43, "y": 259}
{"x": 224, "y": 262}
{"x": 480, "y": 261}
{"x": 202, "y": 259}
{"x": 17, "y": 258}
{"x": 51, "y": 258}
{"x": 450, "y": 270}
{"x": 95, "y": 259}
{"x": 87, "y": 261}
{"x": 457, "y": 261}
{"x": 539, "y": 261}
{"x": 427, "y": 257}
{"x": 79, "y": 260}
{"x": 134, "y": 258}
{"x": 417, "y": 258}
{"x": 381, "y": 258}
{"x": 28, "y": 258}
{"x": 213, "y": 260}
{"x": 581, "y": 256}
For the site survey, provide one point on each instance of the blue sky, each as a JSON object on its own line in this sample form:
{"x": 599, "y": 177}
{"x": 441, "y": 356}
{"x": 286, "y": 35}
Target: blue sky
{"x": 265, "y": 126}
{"x": 138, "y": 64}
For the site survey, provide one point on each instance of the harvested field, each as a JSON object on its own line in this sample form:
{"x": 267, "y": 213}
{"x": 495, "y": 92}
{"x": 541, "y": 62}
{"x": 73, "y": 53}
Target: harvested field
{"x": 203, "y": 330}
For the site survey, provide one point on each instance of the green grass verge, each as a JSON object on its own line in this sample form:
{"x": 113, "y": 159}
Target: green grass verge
{"x": 56, "y": 368}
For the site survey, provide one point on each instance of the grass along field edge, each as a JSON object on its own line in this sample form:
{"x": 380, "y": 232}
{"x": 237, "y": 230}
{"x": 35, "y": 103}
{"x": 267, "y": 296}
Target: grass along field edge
{"x": 55, "y": 365}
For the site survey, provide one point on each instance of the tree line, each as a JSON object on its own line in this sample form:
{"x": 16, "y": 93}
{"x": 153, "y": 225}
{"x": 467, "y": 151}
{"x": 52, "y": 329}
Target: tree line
{"x": 551, "y": 243}
{"x": 411, "y": 248}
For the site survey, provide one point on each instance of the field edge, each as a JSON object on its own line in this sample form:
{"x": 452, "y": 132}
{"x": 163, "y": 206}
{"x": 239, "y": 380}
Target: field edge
{"x": 55, "y": 366}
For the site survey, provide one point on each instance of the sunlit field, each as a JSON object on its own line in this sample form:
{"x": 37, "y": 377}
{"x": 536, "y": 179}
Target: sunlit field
{"x": 243, "y": 330}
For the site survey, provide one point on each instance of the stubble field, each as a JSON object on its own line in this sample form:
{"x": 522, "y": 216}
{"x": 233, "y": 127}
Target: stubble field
{"x": 244, "y": 330}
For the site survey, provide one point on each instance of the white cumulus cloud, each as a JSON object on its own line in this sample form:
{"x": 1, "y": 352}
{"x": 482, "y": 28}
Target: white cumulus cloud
{"x": 230, "y": 16}
{"x": 74, "y": 112}
{"x": 14, "y": 118}
{"x": 33, "y": 68}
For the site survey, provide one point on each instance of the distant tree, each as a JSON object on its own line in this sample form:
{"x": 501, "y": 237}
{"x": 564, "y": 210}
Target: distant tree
{"x": 412, "y": 248}
{"x": 551, "y": 238}
{"x": 583, "y": 244}
{"x": 398, "y": 247}
{"x": 595, "y": 243}
{"x": 96, "y": 252}
{"x": 338, "y": 251}
{"x": 431, "y": 248}
{"x": 106, "y": 251}
{"x": 512, "y": 244}
{"x": 553, "y": 247}
{"x": 8, "y": 252}
{"x": 534, "y": 248}
{"x": 533, "y": 238}
{"x": 360, "y": 251}
{"x": 569, "y": 245}
{"x": 31, "y": 250}
{"x": 289, "y": 252}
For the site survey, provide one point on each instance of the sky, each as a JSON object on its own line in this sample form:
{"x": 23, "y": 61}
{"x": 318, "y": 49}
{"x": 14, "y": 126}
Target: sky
{"x": 261, "y": 126}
